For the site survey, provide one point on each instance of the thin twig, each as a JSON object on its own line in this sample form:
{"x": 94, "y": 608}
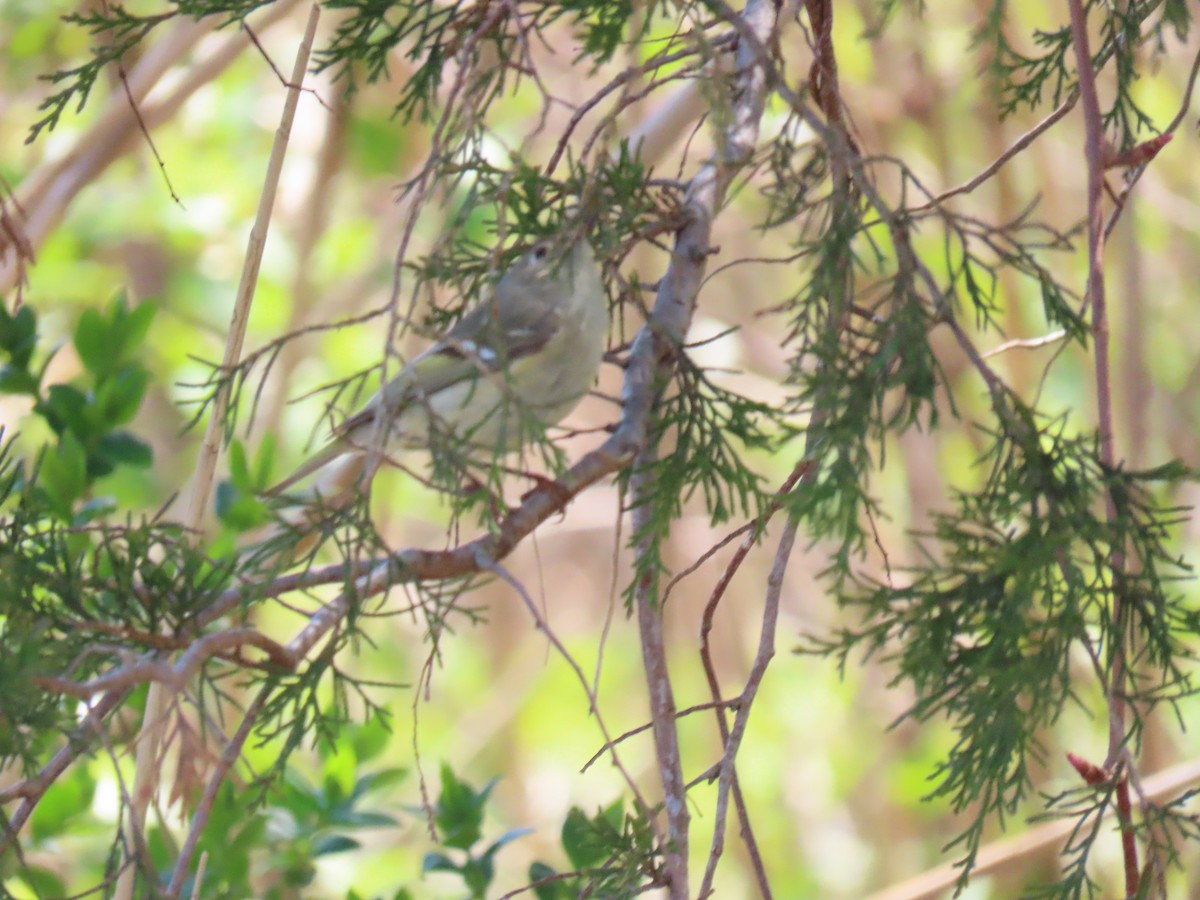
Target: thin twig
{"x": 646, "y": 726}
{"x": 766, "y": 651}
{"x": 46, "y": 192}
{"x": 626, "y": 75}
{"x": 1004, "y": 158}
{"x": 31, "y": 789}
{"x": 710, "y": 670}
{"x": 233, "y": 750}
{"x": 145, "y": 130}
{"x": 680, "y": 287}
{"x": 210, "y": 447}
{"x": 610, "y": 743}
{"x": 1184, "y": 106}
{"x": 173, "y": 677}
{"x": 1026, "y": 343}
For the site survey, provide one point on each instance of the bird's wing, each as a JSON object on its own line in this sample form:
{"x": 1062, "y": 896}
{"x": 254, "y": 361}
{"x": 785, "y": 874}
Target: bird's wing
{"x": 487, "y": 339}
{"x": 500, "y": 331}
{"x": 491, "y": 336}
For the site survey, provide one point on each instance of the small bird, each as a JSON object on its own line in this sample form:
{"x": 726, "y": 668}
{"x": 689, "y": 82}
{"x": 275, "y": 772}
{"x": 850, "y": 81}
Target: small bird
{"x": 530, "y": 351}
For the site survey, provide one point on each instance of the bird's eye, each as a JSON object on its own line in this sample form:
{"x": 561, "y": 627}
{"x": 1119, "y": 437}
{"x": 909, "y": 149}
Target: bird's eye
{"x": 541, "y": 251}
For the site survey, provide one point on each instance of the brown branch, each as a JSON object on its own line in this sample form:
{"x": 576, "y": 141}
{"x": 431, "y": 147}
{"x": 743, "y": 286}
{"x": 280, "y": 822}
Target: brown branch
{"x": 14, "y": 241}
{"x": 624, "y": 77}
{"x": 47, "y": 192}
{"x": 649, "y": 358}
{"x": 1094, "y": 153}
{"x": 677, "y": 293}
{"x": 313, "y": 219}
{"x": 1026, "y": 139}
{"x": 660, "y": 694}
{"x": 211, "y": 445}
{"x": 174, "y": 677}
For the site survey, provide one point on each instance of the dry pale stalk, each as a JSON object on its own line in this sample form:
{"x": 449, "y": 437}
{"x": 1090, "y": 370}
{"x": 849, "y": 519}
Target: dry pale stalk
{"x": 157, "y": 701}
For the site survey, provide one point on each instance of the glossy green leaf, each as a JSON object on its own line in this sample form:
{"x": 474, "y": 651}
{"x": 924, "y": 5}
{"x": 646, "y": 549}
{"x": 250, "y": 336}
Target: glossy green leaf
{"x": 459, "y": 814}
{"x": 65, "y": 407}
{"x": 42, "y": 881}
{"x": 130, "y": 328}
{"x": 14, "y": 380}
{"x": 122, "y": 448}
{"x": 119, "y": 396}
{"x": 334, "y": 843}
{"x": 434, "y": 861}
{"x": 239, "y": 510}
{"x": 239, "y": 469}
{"x": 67, "y": 798}
{"x": 551, "y": 890}
{"x": 94, "y": 342}
{"x": 63, "y": 475}
{"x": 18, "y": 335}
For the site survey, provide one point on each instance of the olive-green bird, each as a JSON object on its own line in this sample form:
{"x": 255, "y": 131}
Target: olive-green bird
{"x": 531, "y": 350}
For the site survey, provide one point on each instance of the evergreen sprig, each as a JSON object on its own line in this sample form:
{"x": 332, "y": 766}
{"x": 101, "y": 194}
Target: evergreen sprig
{"x": 432, "y": 35}
{"x": 118, "y": 31}
{"x": 1017, "y": 579}
{"x": 704, "y": 432}
{"x": 1024, "y": 81}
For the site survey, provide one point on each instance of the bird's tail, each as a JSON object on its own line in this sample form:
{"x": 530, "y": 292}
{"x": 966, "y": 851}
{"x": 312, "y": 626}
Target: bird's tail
{"x": 340, "y": 482}
{"x": 314, "y": 463}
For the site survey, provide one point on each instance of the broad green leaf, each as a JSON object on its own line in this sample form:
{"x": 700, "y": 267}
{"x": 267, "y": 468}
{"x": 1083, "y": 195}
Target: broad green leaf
{"x": 94, "y": 510}
{"x": 119, "y": 396}
{"x": 238, "y": 510}
{"x": 129, "y": 329}
{"x": 459, "y": 811}
{"x": 264, "y": 463}
{"x": 434, "y": 861}
{"x": 122, "y": 448}
{"x": 370, "y": 739}
{"x": 94, "y": 343}
{"x": 19, "y": 336}
{"x": 239, "y": 470}
{"x": 15, "y": 380}
{"x": 43, "y": 882}
{"x": 355, "y": 819}
{"x": 582, "y": 838}
{"x": 65, "y": 407}
{"x": 478, "y": 874}
{"x": 334, "y": 843}
{"x": 68, "y": 797}
{"x": 552, "y": 890}
{"x": 63, "y": 475}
